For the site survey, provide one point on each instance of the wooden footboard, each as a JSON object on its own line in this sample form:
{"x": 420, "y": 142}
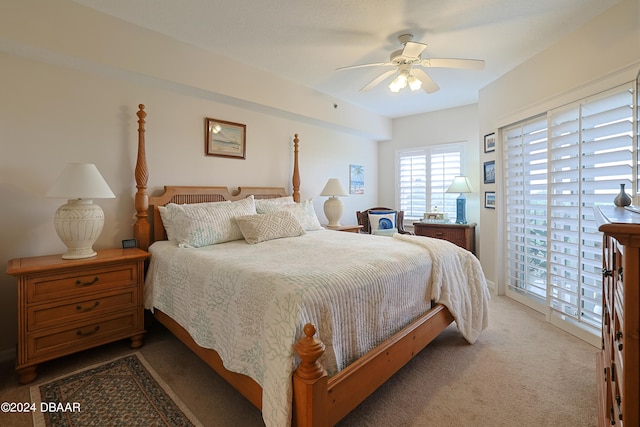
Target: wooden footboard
{"x": 320, "y": 401}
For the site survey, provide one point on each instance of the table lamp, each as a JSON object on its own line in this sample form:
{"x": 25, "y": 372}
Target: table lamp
{"x": 460, "y": 185}
{"x": 79, "y": 222}
{"x": 333, "y": 205}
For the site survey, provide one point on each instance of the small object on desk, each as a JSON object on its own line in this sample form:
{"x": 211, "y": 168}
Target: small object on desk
{"x": 463, "y": 235}
{"x": 347, "y": 228}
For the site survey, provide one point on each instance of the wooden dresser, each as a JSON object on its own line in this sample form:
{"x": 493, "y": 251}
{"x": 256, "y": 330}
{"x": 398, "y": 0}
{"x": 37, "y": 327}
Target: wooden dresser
{"x": 463, "y": 235}
{"x": 618, "y": 364}
{"x": 69, "y": 305}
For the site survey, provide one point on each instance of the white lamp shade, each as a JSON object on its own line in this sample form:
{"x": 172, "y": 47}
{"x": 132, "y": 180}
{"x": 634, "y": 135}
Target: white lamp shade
{"x": 333, "y": 188}
{"x": 460, "y": 184}
{"x": 79, "y": 222}
{"x": 81, "y": 181}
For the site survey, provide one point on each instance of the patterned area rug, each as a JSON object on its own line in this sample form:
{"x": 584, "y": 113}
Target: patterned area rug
{"x": 123, "y": 392}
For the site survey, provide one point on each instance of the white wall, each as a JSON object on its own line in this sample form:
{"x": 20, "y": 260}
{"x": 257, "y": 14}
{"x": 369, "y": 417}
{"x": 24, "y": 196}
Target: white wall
{"x": 602, "y": 54}
{"x": 65, "y": 101}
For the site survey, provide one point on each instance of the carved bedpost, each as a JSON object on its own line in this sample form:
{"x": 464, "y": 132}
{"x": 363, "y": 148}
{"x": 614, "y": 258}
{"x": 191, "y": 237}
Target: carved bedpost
{"x": 296, "y": 173}
{"x": 310, "y": 392}
{"x": 142, "y": 227}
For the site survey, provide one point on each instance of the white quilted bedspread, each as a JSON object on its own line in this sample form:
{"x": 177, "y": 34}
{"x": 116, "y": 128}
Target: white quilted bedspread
{"x": 250, "y": 302}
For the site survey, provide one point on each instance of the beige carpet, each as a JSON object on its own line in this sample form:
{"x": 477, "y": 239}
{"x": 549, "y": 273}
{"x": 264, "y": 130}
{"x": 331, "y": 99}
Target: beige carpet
{"x": 521, "y": 372}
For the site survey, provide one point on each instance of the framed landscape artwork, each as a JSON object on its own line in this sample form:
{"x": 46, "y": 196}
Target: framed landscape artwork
{"x": 490, "y": 143}
{"x": 356, "y": 179}
{"x": 225, "y": 139}
{"x": 490, "y": 172}
{"x": 490, "y": 199}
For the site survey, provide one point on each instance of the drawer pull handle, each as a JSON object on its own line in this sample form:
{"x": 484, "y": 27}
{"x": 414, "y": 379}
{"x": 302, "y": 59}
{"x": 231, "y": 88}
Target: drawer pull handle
{"x": 81, "y": 283}
{"x": 86, "y": 334}
{"x": 619, "y": 338}
{"x": 79, "y": 307}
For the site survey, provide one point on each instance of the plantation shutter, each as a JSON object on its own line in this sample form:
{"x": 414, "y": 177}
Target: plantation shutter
{"x": 424, "y": 176}
{"x": 591, "y": 154}
{"x": 525, "y": 157}
{"x": 557, "y": 168}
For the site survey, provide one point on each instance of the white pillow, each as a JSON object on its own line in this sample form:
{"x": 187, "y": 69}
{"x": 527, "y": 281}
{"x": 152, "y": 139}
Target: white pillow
{"x": 172, "y": 216}
{"x": 304, "y": 213}
{"x": 383, "y": 223}
{"x": 207, "y": 224}
{"x": 264, "y": 205}
{"x": 263, "y": 227}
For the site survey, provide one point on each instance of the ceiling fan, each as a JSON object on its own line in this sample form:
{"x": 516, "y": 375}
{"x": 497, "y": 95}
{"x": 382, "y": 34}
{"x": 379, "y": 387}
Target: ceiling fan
{"x": 407, "y": 62}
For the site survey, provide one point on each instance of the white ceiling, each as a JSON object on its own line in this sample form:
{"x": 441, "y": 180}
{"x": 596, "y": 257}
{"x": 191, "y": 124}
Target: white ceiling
{"x": 306, "y": 40}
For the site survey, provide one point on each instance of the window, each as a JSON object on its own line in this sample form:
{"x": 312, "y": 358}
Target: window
{"x": 557, "y": 168}
{"x": 424, "y": 175}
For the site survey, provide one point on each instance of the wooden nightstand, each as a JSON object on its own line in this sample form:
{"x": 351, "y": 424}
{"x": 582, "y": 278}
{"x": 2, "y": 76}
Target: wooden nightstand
{"x": 463, "y": 235}
{"x": 347, "y": 228}
{"x": 66, "y": 306}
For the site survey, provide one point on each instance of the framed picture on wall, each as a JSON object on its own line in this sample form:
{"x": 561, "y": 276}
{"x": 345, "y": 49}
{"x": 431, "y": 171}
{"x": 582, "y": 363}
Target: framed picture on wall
{"x": 490, "y": 143}
{"x": 225, "y": 139}
{"x": 490, "y": 172}
{"x": 356, "y": 179}
{"x": 490, "y": 199}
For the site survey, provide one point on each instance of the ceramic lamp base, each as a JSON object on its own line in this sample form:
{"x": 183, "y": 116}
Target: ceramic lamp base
{"x": 79, "y": 224}
{"x": 333, "y": 211}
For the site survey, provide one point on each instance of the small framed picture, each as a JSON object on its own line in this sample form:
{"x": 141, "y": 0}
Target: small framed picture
{"x": 490, "y": 172}
{"x": 490, "y": 143}
{"x": 490, "y": 199}
{"x": 225, "y": 139}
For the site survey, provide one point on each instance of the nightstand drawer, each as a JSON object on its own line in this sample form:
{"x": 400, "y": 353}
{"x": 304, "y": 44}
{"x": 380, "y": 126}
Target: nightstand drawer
{"x": 462, "y": 235}
{"x": 73, "y": 283}
{"x": 453, "y": 236}
{"x": 48, "y": 315}
{"x": 84, "y": 335}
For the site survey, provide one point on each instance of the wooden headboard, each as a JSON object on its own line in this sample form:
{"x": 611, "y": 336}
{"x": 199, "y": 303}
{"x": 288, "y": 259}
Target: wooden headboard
{"x": 148, "y": 227}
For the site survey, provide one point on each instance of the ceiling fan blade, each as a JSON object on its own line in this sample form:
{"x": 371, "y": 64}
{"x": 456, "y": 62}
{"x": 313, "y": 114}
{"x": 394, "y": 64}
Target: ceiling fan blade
{"x": 428, "y": 85}
{"x": 468, "y": 64}
{"x": 375, "y": 64}
{"x": 375, "y": 82}
{"x": 413, "y": 49}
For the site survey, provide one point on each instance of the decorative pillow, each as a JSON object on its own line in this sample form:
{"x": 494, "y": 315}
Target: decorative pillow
{"x": 172, "y": 216}
{"x": 262, "y": 227}
{"x": 383, "y": 222}
{"x": 205, "y": 224}
{"x": 305, "y": 213}
{"x": 264, "y": 205}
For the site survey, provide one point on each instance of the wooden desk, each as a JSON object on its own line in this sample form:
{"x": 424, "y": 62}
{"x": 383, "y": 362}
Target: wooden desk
{"x": 463, "y": 235}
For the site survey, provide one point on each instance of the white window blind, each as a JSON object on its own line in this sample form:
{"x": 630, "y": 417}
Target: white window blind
{"x": 424, "y": 175}
{"x": 557, "y": 168}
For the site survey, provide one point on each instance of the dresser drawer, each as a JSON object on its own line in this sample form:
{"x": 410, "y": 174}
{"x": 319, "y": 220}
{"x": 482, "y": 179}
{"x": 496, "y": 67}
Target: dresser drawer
{"x": 78, "y": 281}
{"x": 65, "y": 340}
{"x": 50, "y": 315}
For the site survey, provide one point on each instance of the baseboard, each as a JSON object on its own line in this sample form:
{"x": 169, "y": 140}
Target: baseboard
{"x": 492, "y": 287}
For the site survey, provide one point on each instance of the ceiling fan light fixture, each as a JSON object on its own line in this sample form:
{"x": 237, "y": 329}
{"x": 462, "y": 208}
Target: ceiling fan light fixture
{"x": 400, "y": 82}
{"x": 414, "y": 84}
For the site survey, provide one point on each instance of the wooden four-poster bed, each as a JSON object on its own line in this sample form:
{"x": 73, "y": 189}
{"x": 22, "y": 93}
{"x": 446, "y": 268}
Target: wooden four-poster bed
{"x": 318, "y": 399}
